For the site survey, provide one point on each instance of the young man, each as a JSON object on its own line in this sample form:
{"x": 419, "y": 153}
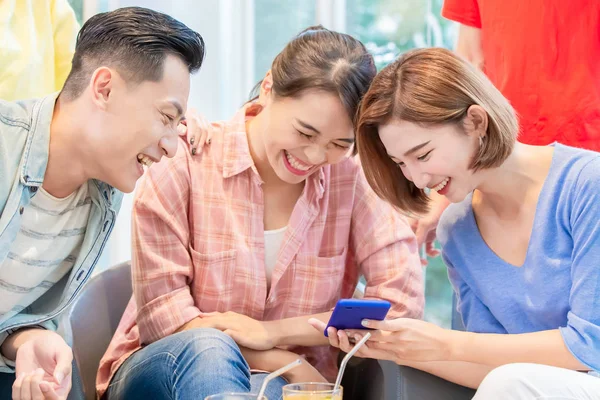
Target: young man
{"x": 64, "y": 161}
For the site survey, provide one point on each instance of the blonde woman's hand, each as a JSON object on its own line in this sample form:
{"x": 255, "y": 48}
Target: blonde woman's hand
{"x": 409, "y": 339}
{"x": 398, "y": 340}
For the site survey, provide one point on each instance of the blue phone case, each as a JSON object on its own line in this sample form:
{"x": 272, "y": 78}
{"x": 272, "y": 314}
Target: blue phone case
{"x": 348, "y": 313}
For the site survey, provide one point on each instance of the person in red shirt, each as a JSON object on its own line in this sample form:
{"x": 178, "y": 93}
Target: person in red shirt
{"x": 544, "y": 56}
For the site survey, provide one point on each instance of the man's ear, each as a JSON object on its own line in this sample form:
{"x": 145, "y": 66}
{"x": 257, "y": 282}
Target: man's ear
{"x": 102, "y": 82}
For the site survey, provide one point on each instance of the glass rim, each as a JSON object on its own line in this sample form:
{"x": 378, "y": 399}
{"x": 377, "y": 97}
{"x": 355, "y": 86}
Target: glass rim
{"x": 246, "y": 395}
{"x": 294, "y": 388}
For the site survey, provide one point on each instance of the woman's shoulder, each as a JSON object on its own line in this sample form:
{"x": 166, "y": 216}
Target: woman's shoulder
{"x": 574, "y": 169}
{"x": 573, "y": 160}
{"x": 184, "y": 166}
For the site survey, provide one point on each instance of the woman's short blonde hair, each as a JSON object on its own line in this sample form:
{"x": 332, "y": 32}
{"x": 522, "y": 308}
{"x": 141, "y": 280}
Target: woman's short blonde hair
{"x": 429, "y": 87}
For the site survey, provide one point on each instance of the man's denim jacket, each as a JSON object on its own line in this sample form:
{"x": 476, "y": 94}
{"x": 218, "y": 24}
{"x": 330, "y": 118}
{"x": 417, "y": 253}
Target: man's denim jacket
{"x": 24, "y": 144}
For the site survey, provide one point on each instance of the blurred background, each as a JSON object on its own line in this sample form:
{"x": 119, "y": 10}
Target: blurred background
{"x": 242, "y": 38}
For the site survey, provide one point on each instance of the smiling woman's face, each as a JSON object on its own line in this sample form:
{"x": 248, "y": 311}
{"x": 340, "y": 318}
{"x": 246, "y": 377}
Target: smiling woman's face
{"x": 301, "y": 134}
{"x": 436, "y": 157}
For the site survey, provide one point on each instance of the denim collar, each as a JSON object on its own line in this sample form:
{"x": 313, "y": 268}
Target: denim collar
{"x": 35, "y": 156}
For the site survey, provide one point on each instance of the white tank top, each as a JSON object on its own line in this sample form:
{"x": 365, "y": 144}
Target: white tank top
{"x": 273, "y": 241}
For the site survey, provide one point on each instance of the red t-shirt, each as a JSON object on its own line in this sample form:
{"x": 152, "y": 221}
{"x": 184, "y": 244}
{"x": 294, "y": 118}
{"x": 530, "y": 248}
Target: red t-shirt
{"x": 544, "y": 56}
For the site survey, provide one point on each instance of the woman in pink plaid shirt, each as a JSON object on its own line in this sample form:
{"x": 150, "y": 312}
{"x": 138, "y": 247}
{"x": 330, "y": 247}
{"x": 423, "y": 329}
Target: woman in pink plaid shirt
{"x": 234, "y": 249}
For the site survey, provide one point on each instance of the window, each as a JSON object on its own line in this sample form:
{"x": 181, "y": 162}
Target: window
{"x": 77, "y": 6}
{"x": 390, "y": 27}
{"x": 276, "y": 22}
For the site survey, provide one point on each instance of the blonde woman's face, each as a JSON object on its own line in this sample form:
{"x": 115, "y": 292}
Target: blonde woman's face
{"x": 434, "y": 157}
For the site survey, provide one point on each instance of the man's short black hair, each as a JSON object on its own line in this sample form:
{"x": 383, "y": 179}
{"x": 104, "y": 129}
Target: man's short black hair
{"x": 135, "y": 41}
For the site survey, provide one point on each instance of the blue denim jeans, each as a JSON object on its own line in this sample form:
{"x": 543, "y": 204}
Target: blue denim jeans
{"x": 188, "y": 365}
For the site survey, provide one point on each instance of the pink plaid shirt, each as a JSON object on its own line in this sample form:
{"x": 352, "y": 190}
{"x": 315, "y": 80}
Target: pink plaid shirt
{"x": 198, "y": 244}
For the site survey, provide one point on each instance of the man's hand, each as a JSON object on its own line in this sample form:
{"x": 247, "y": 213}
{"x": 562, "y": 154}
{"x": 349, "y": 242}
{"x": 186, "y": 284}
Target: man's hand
{"x": 43, "y": 366}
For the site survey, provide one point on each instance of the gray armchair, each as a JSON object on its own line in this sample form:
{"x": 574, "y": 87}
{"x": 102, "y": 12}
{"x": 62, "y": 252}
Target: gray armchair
{"x": 91, "y": 323}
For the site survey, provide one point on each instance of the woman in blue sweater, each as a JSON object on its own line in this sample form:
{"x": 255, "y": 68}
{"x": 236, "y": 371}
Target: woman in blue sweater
{"x": 521, "y": 239}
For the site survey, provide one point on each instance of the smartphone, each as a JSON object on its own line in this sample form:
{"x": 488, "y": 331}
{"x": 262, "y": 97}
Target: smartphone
{"x": 348, "y": 313}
